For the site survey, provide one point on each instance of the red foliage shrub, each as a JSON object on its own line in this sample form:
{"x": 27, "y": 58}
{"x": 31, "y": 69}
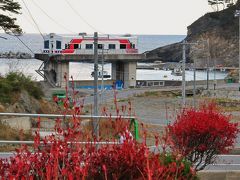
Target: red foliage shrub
{"x": 202, "y": 134}
{"x": 61, "y": 156}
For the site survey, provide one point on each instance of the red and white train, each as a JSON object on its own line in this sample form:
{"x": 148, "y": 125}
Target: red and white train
{"x": 83, "y": 44}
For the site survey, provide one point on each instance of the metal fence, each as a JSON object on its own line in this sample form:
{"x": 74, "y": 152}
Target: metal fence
{"x": 60, "y": 116}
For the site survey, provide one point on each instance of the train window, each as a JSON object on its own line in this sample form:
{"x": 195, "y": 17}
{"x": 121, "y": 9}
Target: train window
{"x": 112, "y": 46}
{"x": 58, "y": 45}
{"x": 46, "y": 44}
{"x": 75, "y": 46}
{"x": 100, "y": 46}
{"x": 123, "y": 46}
{"x": 89, "y": 46}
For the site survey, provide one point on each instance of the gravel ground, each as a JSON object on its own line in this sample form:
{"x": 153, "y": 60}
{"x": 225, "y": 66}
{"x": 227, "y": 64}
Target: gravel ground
{"x": 152, "y": 109}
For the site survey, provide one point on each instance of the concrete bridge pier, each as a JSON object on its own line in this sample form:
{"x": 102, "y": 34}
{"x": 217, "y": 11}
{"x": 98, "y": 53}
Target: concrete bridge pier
{"x": 126, "y": 72}
{"x": 55, "y": 72}
{"x": 123, "y": 66}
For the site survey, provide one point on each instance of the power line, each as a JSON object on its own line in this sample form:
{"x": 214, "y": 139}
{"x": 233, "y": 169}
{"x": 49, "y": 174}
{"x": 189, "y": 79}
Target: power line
{"x": 83, "y": 19}
{"x": 59, "y": 24}
{"x": 23, "y": 43}
{"x": 33, "y": 18}
{"x": 3, "y": 37}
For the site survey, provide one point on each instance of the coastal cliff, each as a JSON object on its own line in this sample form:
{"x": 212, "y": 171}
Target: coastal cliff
{"x": 218, "y": 29}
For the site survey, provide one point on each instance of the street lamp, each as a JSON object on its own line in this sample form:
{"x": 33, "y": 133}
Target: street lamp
{"x": 237, "y": 14}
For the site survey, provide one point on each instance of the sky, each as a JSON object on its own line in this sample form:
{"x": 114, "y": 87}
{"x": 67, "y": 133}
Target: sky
{"x": 111, "y": 16}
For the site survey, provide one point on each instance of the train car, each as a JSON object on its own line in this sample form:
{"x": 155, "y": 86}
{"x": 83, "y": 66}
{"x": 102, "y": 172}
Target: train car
{"x": 83, "y": 44}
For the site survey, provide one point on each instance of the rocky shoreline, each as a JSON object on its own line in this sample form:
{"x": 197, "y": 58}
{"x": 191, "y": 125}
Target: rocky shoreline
{"x": 15, "y": 55}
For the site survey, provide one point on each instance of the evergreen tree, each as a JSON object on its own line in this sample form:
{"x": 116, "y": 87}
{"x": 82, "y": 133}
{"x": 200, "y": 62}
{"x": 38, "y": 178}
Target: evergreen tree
{"x": 7, "y": 22}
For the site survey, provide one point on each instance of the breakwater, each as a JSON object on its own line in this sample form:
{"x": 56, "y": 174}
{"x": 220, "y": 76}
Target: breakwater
{"x": 15, "y": 55}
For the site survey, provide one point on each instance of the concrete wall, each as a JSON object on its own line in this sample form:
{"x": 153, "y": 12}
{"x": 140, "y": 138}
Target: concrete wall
{"x": 19, "y": 123}
{"x": 204, "y": 82}
{"x": 219, "y": 175}
{"x": 228, "y": 94}
{"x": 55, "y": 72}
{"x": 114, "y": 70}
{"x": 130, "y": 74}
{"x": 62, "y": 70}
{"x": 125, "y": 71}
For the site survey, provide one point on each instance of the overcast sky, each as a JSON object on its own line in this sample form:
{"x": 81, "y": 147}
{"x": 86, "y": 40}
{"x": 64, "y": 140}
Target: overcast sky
{"x": 112, "y": 16}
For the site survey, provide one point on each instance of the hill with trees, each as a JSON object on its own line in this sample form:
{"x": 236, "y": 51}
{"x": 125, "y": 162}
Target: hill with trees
{"x": 219, "y": 29}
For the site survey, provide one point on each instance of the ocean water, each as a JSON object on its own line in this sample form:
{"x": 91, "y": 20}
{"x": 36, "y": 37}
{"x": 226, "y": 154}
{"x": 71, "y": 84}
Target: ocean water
{"x": 82, "y": 71}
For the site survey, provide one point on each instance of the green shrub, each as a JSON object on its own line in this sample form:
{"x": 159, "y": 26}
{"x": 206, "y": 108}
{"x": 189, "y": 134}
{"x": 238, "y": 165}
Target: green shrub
{"x": 167, "y": 159}
{"x": 16, "y": 82}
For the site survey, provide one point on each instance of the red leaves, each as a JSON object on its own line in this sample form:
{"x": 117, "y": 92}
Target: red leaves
{"x": 202, "y": 133}
{"x": 61, "y": 160}
{"x": 61, "y": 157}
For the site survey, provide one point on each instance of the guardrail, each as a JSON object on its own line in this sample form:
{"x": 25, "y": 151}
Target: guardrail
{"x": 63, "y": 116}
{"x": 69, "y": 116}
{"x": 41, "y": 142}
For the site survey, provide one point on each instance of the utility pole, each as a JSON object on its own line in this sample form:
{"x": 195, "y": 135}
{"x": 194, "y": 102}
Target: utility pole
{"x": 239, "y": 51}
{"x": 208, "y": 59}
{"x": 237, "y": 14}
{"x": 183, "y": 71}
{"x": 183, "y": 74}
{"x": 194, "y": 84}
{"x": 95, "y": 119}
{"x": 102, "y": 84}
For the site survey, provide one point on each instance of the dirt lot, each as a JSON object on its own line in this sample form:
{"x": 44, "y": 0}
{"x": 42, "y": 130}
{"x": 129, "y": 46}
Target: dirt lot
{"x": 162, "y": 107}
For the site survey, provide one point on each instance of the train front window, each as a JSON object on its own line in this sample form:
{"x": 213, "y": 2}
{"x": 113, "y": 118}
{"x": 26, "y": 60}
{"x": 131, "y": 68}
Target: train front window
{"x": 132, "y": 46}
{"x": 58, "y": 45}
{"x": 46, "y": 44}
{"x": 76, "y": 46}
